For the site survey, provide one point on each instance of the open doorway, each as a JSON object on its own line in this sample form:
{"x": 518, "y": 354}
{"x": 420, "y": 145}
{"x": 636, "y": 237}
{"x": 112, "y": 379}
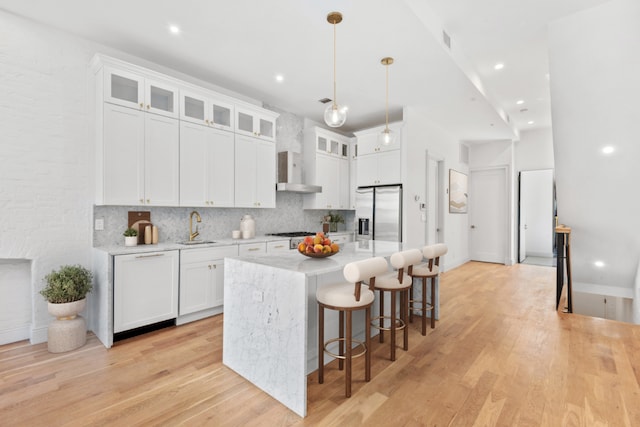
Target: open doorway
{"x": 536, "y": 213}
{"x": 434, "y": 210}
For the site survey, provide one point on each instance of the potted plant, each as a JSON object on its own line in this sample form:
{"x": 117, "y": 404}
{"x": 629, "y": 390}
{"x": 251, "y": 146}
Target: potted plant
{"x": 130, "y": 237}
{"x": 66, "y": 293}
{"x": 333, "y": 218}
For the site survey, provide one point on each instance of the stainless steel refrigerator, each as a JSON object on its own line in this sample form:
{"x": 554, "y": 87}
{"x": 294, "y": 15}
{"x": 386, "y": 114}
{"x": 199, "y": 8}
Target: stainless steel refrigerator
{"x": 379, "y": 213}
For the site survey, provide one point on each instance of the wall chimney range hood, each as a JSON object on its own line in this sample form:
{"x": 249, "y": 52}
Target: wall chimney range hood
{"x": 290, "y": 174}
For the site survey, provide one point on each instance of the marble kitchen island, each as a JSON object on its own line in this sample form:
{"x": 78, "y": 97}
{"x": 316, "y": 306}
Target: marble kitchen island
{"x": 270, "y": 316}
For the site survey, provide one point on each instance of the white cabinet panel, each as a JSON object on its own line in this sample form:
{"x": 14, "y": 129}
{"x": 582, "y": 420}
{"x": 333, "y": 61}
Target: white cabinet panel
{"x": 246, "y": 249}
{"x": 161, "y": 166}
{"x": 278, "y": 246}
{"x": 379, "y": 168}
{"x": 255, "y": 173}
{"x": 202, "y": 278}
{"x": 206, "y": 166}
{"x": 145, "y": 289}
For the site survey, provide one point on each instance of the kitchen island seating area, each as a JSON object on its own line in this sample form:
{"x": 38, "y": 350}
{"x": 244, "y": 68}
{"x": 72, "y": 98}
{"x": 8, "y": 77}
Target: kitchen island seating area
{"x": 424, "y": 272}
{"x": 274, "y": 332}
{"x": 347, "y": 297}
{"x": 396, "y": 283}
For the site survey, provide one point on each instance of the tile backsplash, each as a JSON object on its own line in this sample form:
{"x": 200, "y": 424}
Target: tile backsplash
{"x": 217, "y": 223}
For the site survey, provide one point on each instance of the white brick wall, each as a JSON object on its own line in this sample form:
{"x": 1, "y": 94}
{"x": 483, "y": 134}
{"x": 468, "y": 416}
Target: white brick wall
{"x": 46, "y": 154}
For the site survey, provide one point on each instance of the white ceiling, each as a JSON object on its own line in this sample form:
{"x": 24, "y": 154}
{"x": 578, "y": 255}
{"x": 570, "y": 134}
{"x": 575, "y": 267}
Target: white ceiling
{"x": 242, "y": 44}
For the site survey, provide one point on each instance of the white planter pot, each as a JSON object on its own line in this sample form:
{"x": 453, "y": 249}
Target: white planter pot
{"x": 68, "y": 331}
{"x": 131, "y": 240}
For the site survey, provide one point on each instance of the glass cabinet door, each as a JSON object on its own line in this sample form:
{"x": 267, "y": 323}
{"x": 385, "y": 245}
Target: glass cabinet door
{"x": 267, "y": 128}
{"x": 193, "y": 108}
{"x": 321, "y": 144}
{"x": 124, "y": 88}
{"x": 245, "y": 123}
{"x": 221, "y": 115}
{"x": 161, "y": 98}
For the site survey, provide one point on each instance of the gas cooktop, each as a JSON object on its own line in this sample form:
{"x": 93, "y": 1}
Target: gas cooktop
{"x": 293, "y": 234}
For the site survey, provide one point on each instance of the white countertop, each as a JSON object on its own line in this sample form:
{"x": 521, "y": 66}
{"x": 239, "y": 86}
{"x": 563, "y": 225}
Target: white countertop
{"x": 167, "y": 246}
{"x": 349, "y": 252}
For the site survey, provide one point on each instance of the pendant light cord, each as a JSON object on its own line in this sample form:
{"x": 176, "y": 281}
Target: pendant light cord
{"x": 387, "y": 99}
{"x": 335, "y": 103}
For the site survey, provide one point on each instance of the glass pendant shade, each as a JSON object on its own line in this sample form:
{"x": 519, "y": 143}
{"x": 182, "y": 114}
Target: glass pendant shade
{"x": 335, "y": 116}
{"x": 386, "y": 137}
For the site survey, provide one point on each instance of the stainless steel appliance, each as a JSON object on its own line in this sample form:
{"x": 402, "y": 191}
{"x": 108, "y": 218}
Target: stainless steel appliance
{"x": 296, "y": 237}
{"x": 379, "y": 213}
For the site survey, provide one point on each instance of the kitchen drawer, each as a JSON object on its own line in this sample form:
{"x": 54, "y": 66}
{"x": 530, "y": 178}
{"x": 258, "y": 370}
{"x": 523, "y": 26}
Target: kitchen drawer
{"x": 246, "y": 249}
{"x": 206, "y": 254}
{"x": 278, "y": 246}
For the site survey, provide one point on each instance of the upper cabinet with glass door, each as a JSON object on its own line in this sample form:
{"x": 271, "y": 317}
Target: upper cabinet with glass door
{"x": 258, "y": 123}
{"x": 205, "y": 110}
{"x": 135, "y": 91}
{"x": 331, "y": 143}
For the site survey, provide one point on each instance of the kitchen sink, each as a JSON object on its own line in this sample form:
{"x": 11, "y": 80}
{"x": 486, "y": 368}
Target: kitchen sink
{"x": 195, "y": 242}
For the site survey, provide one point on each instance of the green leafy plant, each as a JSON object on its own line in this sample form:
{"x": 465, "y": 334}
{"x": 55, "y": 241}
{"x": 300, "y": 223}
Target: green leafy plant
{"x": 130, "y": 232}
{"x": 334, "y": 217}
{"x": 69, "y": 283}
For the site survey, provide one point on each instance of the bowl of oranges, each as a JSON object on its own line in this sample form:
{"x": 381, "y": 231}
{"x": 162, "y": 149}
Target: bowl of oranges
{"x": 318, "y": 246}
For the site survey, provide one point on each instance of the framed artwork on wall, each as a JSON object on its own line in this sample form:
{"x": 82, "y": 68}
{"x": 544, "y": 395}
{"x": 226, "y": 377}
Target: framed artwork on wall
{"x": 458, "y": 192}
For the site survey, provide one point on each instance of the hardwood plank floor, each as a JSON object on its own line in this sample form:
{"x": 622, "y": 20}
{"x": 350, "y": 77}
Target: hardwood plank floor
{"x": 500, "y": 355}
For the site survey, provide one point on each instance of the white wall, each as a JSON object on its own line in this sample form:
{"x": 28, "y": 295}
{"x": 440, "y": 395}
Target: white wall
{"x": 419, "y": 137}
{"x": 46, "y": 153}
{"x": 595, "y": 87}
{"x": 534, "y": 150}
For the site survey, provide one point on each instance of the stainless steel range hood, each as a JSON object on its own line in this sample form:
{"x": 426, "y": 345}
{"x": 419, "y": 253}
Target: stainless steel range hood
{"x": 290, "y": 174}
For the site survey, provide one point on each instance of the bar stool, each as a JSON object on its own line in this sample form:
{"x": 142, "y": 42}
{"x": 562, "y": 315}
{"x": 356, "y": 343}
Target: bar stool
{"x": 430, "y": 270}
{"x": 396, "y": 283}
{"x": 347, "y": 298}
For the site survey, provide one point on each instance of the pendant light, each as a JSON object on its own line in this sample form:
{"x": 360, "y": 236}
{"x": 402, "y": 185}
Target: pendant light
{"x": 334, "y": 115}
{"x": 387, "y": 137}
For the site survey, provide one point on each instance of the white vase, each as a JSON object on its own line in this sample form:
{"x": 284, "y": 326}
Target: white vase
{"x": 68, "y": 331}
{"x": 130, "y": 240}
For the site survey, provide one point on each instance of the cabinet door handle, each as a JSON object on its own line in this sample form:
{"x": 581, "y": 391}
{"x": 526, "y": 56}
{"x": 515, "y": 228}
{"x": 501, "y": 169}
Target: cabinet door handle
{"x": 278, "y": 246}
{"x": 253, "y": 249}
{"x": 141, "y": 105}
{"x": 148, "y": 106}
{"x": 149, "y": 256}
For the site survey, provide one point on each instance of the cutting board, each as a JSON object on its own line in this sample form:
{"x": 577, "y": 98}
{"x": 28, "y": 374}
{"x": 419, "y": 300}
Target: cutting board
{"x": 138, "y": 220}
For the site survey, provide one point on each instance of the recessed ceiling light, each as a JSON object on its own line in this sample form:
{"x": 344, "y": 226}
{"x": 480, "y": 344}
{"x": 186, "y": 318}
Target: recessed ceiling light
{"x": 279, "y": 78}
{"x": 174, "y": 29}
{"x": 530, "y": 122}
{"x": 498, "y": 66}
{"x": 520, "y": 101}
{"x": 599, "y": 264}
{"x": 608, "y": 149}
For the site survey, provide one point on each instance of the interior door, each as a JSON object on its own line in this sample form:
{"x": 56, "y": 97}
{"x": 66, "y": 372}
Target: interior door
{"x": 536, "y": 204}
{"x": 488, "y": 215}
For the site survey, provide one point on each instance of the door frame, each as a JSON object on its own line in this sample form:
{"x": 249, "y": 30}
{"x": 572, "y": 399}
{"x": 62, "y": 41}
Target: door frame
{"x": 507, "y": 209}
{"x": 440, "y": 190}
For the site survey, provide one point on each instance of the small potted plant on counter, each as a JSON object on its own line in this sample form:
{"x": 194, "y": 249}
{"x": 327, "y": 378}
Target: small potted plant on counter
{"x": 333, "y": 218}
{"x": 66, "y": 293}
{"x": 130, "y": 237}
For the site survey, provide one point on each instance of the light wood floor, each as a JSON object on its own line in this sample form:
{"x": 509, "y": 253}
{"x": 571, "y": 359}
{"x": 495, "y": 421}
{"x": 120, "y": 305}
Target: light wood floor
{"x": 500, "y": 355}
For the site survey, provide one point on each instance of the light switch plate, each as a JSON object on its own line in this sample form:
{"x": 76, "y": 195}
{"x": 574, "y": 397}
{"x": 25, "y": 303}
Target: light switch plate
{"x": 99, "y": 224}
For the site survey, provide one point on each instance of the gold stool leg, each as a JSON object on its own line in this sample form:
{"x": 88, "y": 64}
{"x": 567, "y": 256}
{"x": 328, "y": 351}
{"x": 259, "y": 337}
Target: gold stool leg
{"x": 348, "y": 355}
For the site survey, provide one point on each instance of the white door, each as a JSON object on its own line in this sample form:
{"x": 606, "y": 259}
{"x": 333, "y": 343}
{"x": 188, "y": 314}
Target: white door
{"x": 488, "y": 215}
{"x": 161, "y": 161}
{"x": 536, "y": 206}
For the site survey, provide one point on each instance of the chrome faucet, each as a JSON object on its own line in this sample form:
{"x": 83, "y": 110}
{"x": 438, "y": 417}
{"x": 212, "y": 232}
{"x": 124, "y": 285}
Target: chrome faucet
{"x": 193, "y": 235}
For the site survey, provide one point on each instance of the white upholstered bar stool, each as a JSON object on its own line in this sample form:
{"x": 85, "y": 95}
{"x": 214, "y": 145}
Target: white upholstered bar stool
{"x": 397, "y": 283}
{"x": 347, "y": 297}
{"x": 429, "y": 270}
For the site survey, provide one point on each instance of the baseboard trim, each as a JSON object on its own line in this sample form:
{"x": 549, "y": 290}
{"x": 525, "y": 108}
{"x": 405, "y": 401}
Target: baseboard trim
{"x": 39, "y": 335}
{"x": 15, "y": 334}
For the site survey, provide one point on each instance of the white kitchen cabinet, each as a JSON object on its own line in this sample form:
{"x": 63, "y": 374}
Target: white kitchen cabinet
{"x": 353, "y": 168}
{"x": 145, "y": 289}
{"x": 204, "y": 109}
{"x": 206, "y": 166}
{"x": 255, "y": 173}
{"x": 278, "y": 246}
{"x": 202, "y": 278}
{"x": 139, "y": 158}
{"x": 327, "y": 166}
{"x": 257, "y": 123}
{"x": 141, "y": 93}
{"x": 252, "y": 249}
{"x": 378, "y": 164}
{"x": 341, "y": 238}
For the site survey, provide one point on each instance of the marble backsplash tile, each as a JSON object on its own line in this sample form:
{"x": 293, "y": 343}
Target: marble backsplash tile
{"x": 217, "y": 223}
